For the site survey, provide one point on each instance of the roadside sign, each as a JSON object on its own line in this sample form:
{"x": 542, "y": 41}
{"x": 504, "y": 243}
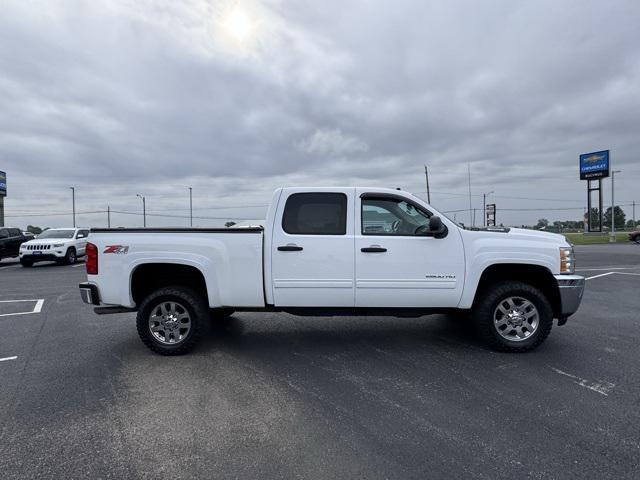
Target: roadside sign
{"x": 594, "y": 165}
{"x": 3, "y": 184}
{"x": 491, "y": 215}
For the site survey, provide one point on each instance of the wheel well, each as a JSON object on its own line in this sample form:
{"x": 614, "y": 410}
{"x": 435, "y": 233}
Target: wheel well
{"x": 534, "y": 275}
{"x": 150, "y": 277}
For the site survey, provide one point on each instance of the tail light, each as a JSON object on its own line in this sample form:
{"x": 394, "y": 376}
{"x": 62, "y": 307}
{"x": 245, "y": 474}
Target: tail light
{"x": 92, "y": 259}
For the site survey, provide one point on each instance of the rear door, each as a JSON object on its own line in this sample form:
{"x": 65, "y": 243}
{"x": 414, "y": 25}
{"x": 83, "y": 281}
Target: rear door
{"x": 4, "y": 242}
{"x": 397, "y": 264}
{"x": 312, "y": 257}
{"x": 15, "y": 240}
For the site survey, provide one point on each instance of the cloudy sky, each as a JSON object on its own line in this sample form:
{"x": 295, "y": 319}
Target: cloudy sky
{"x": 236, "y": 98}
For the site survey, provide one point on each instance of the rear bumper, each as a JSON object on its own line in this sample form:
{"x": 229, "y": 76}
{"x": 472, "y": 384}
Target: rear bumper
{"x": 571, "y": 290}
{"x": 89, "y": 293}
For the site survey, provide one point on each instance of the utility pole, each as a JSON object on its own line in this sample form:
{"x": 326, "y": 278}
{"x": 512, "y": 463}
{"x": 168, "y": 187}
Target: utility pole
{"x": 612, "y": 237}
{"x": 190, "y": 206}
{"x": 144, "y": 209}
{"x": 634, "y": 214}
{"x": 108, "y": 216}
{"x": 469, "y": 175}
{"x": 426, "y": 174}
{"x": 73, "y": 202}
{"x": 484, "y": 206}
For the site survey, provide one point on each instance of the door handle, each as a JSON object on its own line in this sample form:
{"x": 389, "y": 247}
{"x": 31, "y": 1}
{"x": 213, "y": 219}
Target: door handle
{"x": 373, "y": 249}
{"x": 289, "y": 248}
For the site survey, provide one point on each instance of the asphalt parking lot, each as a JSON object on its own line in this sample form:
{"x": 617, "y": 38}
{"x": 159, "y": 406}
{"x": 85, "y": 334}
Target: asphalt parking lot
{"x": 277, "y": 396}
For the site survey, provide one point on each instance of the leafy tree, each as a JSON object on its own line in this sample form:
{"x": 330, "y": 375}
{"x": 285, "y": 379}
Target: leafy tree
{"x": 34, "y": 230}
{"x": 229, "y": 224}
{"x": 618, "y": 217}
{"x": 631, "y": 224}
{"x": 542, "y": 223}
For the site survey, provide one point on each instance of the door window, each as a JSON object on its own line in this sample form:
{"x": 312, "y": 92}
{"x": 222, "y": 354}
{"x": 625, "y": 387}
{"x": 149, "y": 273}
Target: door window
{"x": 14, "y": 232}
{"x": 392, "y": 216}
{"x": 315, "y": 214}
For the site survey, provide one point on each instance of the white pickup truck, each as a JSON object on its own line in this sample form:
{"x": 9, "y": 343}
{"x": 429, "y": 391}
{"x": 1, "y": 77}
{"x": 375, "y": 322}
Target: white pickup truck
{"x": 335, "y": 251}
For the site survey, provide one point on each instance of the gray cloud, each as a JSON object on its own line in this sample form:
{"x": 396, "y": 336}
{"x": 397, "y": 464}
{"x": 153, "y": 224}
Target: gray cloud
{"x": 148, "y": 97}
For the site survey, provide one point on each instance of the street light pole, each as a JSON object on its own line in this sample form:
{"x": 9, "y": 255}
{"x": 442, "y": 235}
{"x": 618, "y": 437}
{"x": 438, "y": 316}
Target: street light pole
{"x": 144, "y": 210}
{"x": 612, "y": 237}
{"x": 190, "y": 206}
{"x": 73, "y": 202}
{"x": 426, "y": 174}
{"x": 484, "y": 206}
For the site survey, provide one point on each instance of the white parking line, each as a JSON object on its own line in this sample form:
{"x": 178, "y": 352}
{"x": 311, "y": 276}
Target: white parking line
{"x": 612, "y": 273}
{"x": 601, "y": 275}
{"x": 608, "y": 269}
{"x": 6, "y": 359}
{"x": 36, "y": 309}
{"x": 601, "y": 386}
{"x": 78, "y": 265}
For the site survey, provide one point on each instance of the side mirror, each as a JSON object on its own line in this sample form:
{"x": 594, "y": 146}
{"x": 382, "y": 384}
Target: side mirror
{"x": 436, "y": 227}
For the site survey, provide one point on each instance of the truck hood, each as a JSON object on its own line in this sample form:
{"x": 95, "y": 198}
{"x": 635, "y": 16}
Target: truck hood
{"x": 47, "y": 241}
{"x": 525, "y": 234}
{"x": 521, "y": 234}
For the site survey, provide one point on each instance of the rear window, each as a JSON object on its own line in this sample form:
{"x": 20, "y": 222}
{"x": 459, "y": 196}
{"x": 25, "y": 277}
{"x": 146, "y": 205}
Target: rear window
{"x": 4, "y": 233}
{"x": 315, "y": 214}
{"x": 14, "y": 232}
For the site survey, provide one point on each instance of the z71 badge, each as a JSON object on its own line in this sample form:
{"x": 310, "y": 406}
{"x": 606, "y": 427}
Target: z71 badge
{"x": 117, "y": 249}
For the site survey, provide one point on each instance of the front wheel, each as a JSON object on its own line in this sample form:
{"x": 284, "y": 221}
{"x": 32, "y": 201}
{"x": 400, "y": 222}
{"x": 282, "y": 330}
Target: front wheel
{"x": 26, "y": 263}
{"x": 513, "y": 317}
{"x": 170, "y": 320}
{"x": 71, "y": 257}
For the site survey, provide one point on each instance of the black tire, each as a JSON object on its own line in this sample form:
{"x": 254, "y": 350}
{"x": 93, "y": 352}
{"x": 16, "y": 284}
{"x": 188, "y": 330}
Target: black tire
{"x": 26, "y": 263}
{"x": 70, "y": 257}
{"x": 196, "y": 307}
{"x": 485, "y": 308}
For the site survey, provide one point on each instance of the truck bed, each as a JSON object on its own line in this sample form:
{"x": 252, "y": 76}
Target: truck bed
{"x": 229, "y": 259}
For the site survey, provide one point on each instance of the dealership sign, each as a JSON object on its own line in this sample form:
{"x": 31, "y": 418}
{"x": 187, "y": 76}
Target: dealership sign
{"x": 3, "y": 184}
{"x": 594, "y": 165}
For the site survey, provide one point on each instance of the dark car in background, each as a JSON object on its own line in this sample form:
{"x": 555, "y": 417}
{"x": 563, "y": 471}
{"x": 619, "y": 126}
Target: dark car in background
{"x": 10, "y": 241}
{"x": 634, "y": 236}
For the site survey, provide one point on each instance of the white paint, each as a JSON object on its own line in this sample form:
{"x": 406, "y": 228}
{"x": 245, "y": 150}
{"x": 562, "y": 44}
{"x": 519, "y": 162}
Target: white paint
{"x": 36, "y": 309}
{"x": 608, "y": 269}
{"x": 77, "y": 265}
{"x": 612, "y": 273}
{"x": 601, "y": 387}
{"x": 6, "y": 359}
{"x": 601, "y": 275}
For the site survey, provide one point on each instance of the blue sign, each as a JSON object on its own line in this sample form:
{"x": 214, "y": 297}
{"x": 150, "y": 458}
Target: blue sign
{"x": 3, "y": 184}
{"x": 594, "y": 165}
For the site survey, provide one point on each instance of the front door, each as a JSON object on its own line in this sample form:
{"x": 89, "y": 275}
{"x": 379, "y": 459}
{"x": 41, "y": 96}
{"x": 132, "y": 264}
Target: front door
{"x": 397, "y": 265}
{"x": 312, "y": 249}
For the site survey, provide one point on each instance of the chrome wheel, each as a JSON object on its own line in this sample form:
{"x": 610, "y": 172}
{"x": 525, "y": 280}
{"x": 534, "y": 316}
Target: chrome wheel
{"x": 516, "y": 318}
{"x": 169, "y": 323}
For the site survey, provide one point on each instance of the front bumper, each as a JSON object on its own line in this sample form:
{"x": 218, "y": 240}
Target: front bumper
{"x": 89, "y": 293}
{"x": 571, "y": 289}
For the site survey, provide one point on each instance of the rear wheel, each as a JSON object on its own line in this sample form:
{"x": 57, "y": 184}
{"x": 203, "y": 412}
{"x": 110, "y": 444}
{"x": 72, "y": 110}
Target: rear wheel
{"x": 170, "y": 320}
{"x": 513, "y": 317}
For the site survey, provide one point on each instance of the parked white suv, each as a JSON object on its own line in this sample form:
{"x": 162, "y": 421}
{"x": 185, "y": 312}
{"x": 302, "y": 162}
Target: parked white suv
{"x": 62, "y": 245}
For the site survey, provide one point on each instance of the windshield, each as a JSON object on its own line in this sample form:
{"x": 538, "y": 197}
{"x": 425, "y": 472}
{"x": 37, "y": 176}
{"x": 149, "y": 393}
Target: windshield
{"x": 57, "y": 234}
